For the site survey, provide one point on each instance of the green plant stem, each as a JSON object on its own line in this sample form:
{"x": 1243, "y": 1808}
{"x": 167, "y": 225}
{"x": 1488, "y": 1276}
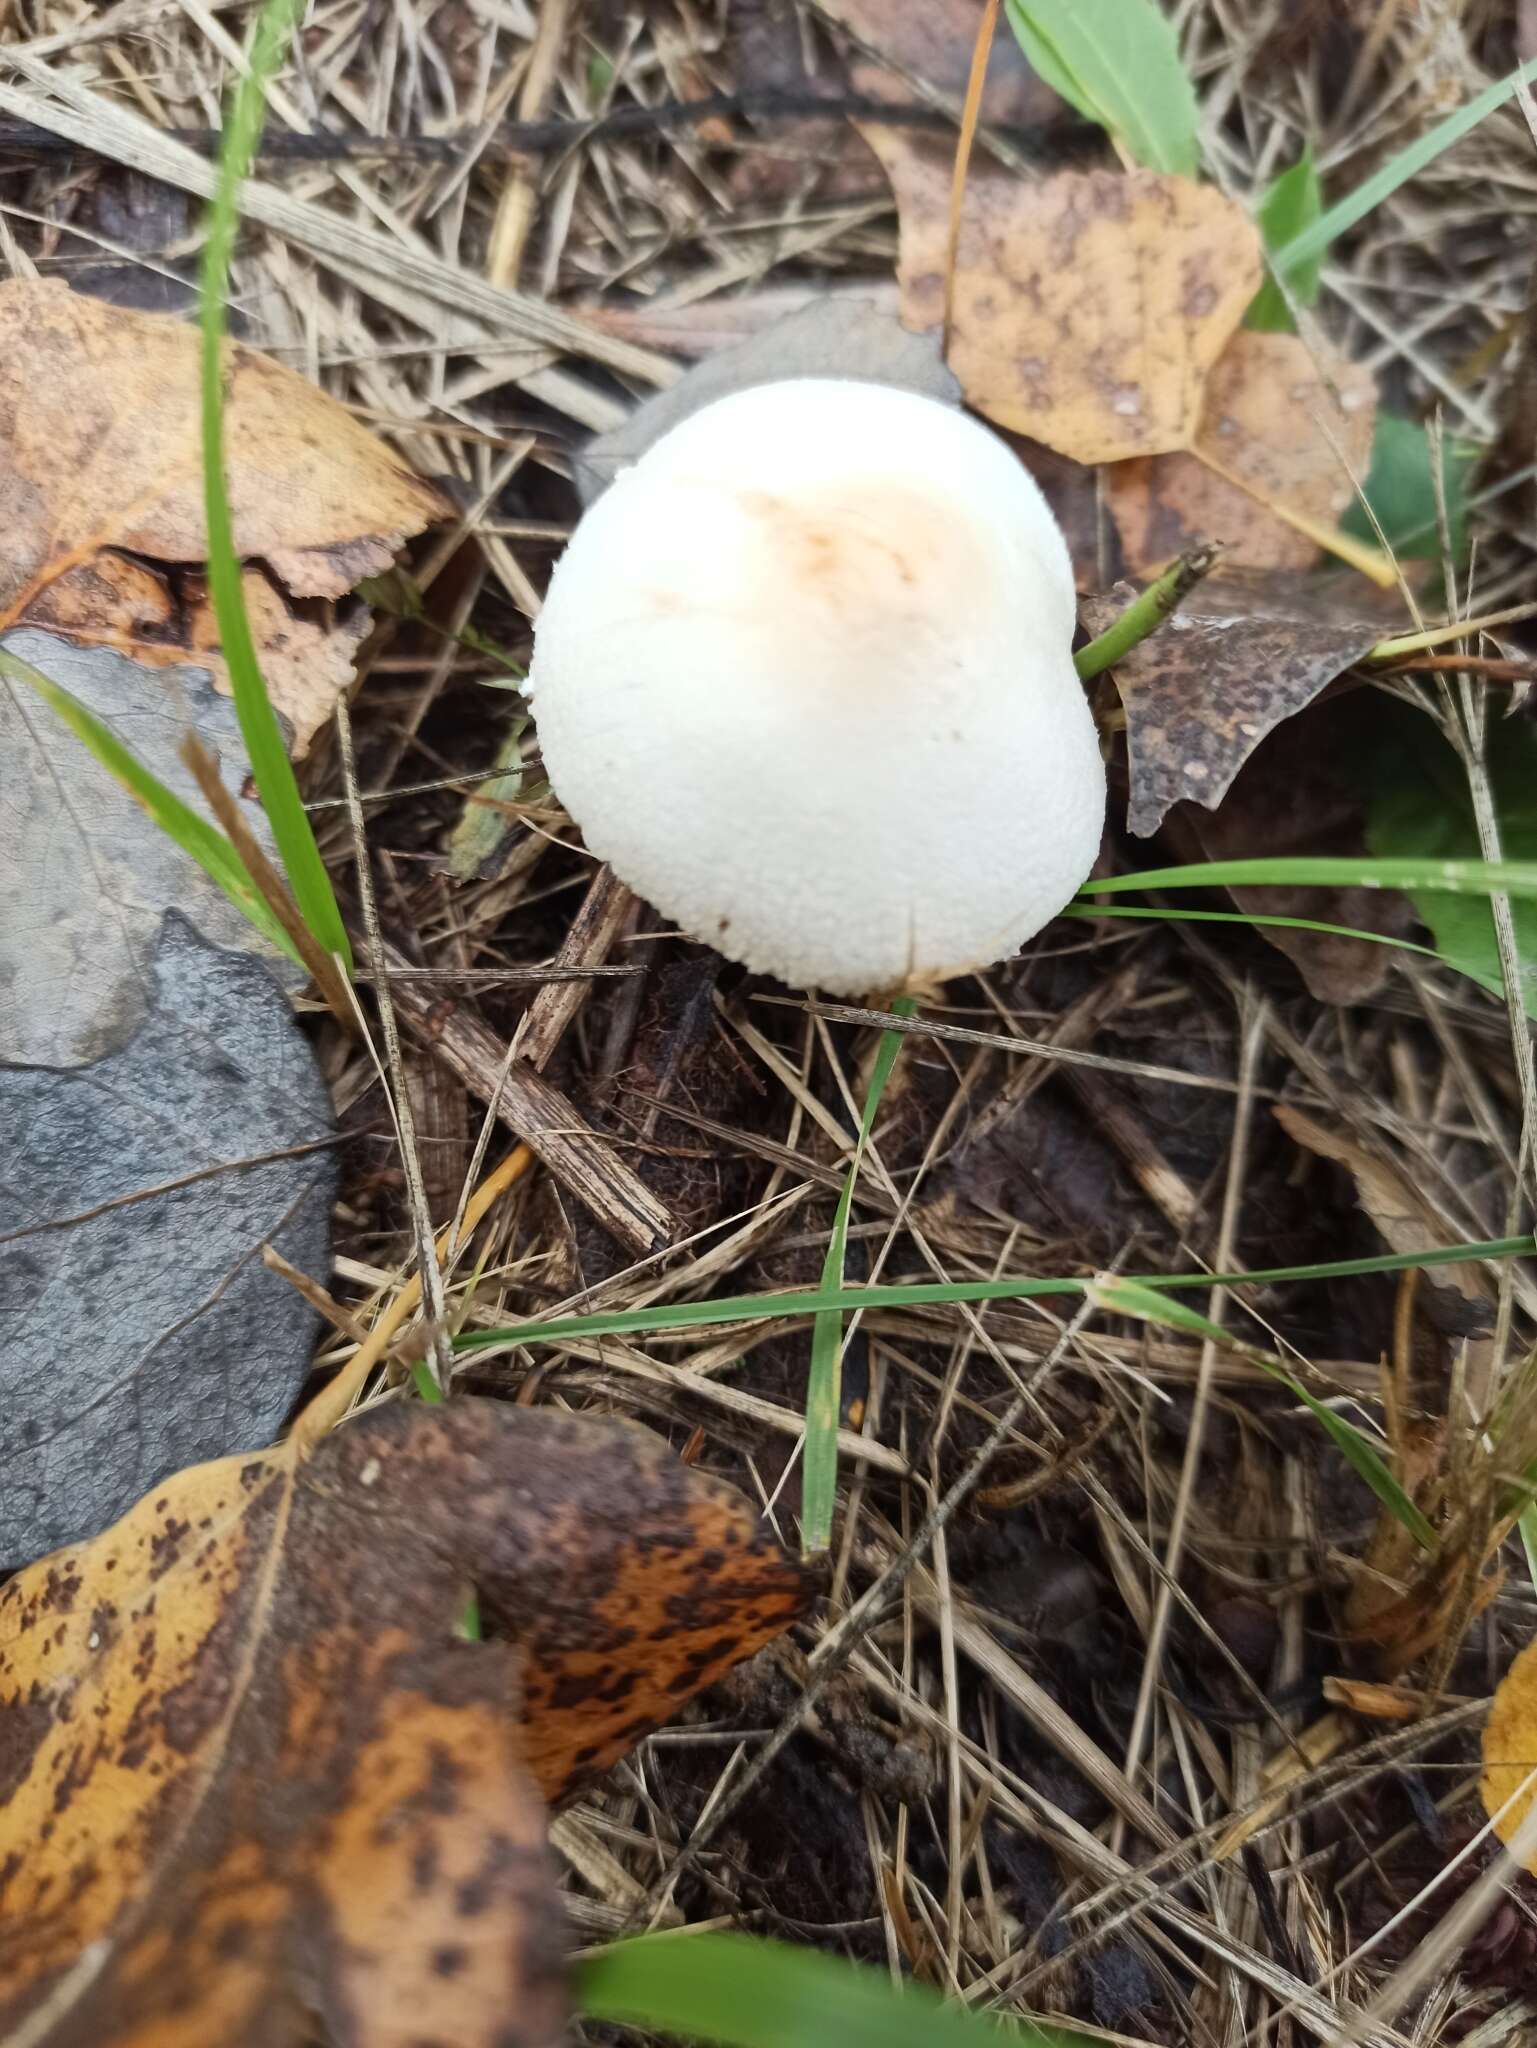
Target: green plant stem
{"x": 202, "y": 842}
{"x": 1314, "y": 240}
{"x": 265, "y": 745}
{"x": 746, "y": 1308}
{"x": 1145, "y": 614}
{"x": 1455, "y": 877}
{"x": 1297, "y": 924}
{"x": 824, "y": 1386}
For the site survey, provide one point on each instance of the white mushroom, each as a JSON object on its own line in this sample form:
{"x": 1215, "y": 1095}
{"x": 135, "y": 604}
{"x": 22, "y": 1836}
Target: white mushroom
{"x": 804, "y": 678}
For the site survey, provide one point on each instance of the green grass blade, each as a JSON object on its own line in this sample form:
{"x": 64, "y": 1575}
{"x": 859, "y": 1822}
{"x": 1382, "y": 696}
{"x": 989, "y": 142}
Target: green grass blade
{"x": 746, "y": 1308}
{"x": 1308, "y": 246}
{"x": 1458, "y": 877}
{"x": 824, "y": 1386}
{"x": 743, "y": 1992}
{"x": 1292, "y": 203}
{"x": 291, "y": 831}
{"x": 1118, "y": 63}
{"x": 1296, "y": 924}
{"x": 199, "y": 840}
{"x": 1135, "y": 1298}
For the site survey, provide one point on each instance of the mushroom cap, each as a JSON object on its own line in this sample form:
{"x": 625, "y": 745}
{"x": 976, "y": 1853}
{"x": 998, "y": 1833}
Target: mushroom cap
{"x": 804, "y": 678}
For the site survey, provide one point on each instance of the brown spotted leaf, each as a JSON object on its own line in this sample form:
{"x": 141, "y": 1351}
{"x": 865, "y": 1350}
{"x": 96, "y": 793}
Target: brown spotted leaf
{"x": 1282, "y": 425}
{"x": 101, "y": 458}
{"x": 256, "y": 1785}
{"x": 1090, "y": 307}
{"x": 1203, "y": 691}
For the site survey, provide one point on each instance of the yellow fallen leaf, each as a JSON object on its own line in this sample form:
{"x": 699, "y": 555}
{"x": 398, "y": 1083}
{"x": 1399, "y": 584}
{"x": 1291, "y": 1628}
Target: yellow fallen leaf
{"x": 1089, "y": 307}
{"x": 1281, "y": 435}
{"x": 101, "y": 464}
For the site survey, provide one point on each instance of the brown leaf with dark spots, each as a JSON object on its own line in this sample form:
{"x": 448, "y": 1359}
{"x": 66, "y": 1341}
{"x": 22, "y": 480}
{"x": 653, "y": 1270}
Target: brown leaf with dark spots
{"x": 1292, "y": 426}
{"x": 1090, "y": 307}
{"x": 1203, "y": 690}
{"x": 254, "y": 1780}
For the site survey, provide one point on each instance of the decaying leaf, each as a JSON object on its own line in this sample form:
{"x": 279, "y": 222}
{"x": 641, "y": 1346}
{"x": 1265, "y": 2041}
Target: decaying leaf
{"x": 934, "y": 43}
{"x": 841, "y": 337}
{"x": 101, "y": 458}
{"x": 1291, "y": 425}
{"x": 256, "y": 1783}
{"x": 139, "y": 1330}
{"x": 306, "y": 661}
{"x": 89, "y": 875}
{"x": 1296, "y": 795}
{"x": 1237, "y": 659}
{"x": 1090, "y": 307}
{"x": 1401, "y": 1215}
{"x": 1509, "y": 1782}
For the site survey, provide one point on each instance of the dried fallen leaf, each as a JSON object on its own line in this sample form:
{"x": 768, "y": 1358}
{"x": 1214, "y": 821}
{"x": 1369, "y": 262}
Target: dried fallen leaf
{"x": 1289, "y": 426}
{"x": 101, "y": 456}
{"x": 306, "y": 661}
{"x": 254, "y": 1780}
{"x": 139, "y": 1330}
{"x": 1403, "y": 1218}
{"x": 1201, "y": 693}
{"x": 1403, "y": 1601}
{"x": 1090, "y": 307}
{"x": 1509, "y": 1782}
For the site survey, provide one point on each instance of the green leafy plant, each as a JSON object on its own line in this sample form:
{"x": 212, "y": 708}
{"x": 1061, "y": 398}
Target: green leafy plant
{"x": 747, "y": 1308}
{"x": 1419, "y": 808}
{"x": 1400, "y": 488}
{"x": 1311, "y": 242}
{"x": 1516, "y": 878}
{"x": 748, "y": 1993}
{"x": 819, "y": 1457}
{"x": 1292, "y": 203}
{"x": 273, "y": 771}
{"x": 1118, "y": 63}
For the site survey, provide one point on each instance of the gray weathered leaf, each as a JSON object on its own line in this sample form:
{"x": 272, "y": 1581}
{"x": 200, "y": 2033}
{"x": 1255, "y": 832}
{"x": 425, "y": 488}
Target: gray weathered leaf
{"x": 1242, "y": 656}
{"x": 835, "y": 338}
{"x": 139, "y": 1329}
{"x": 88, "y": 875}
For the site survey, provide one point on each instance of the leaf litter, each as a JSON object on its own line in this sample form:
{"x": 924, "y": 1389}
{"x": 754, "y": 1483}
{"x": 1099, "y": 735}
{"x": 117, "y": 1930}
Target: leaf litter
{"x": 1090, "y": 307}
{"x": 1425, "y": 1059}
{"x": 262, "y": 1782}
{"x": 1241, "y": 655}
{"x": 101, "y": 463}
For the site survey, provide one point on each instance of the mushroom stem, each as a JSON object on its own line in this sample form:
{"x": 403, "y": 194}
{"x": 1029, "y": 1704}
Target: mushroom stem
{"x": 1145, "y": 614}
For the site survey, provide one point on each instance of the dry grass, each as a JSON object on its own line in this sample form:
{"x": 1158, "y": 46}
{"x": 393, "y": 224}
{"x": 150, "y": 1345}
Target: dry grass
{"x": 1059, "y": 1739}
